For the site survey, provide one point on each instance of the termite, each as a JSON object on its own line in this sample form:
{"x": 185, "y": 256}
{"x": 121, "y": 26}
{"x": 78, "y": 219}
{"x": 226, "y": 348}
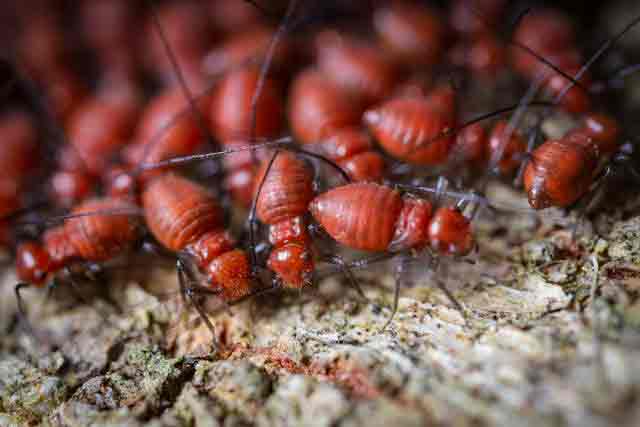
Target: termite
{"x": 549, "y": 34}
{"x": 375, "y": 217}
{"x": 413, "y": 34}
{"x": 97, "y": 132}
{"x": 362, "y": 69}
{"x": 324, "y": 118}
{"x": 560, "y": 172}
{"x": 95, "y": 231}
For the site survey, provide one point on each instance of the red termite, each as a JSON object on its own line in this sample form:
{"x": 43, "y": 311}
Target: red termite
{"x": 398, "y": 223}
{"x": 412, "y": 33}
{"x": 414, "y": 129}
{"x": 97, "y": 131}
{"x": 362, "y": 69}
{"x": 231, "y": 112}
{"x": 109, "y": 28}
{"x": 550, "y": 35}
{"x": 282, "y": 203}
{"x": 374, "y": 217}
{"x": 185, "y": 218}
{"x": 561, "y": 171}
{"x": 323, "y": 117}
{"x": 244, "y": 48}
{"x": 164, "y": 131}
{"x": 96, "y": 231}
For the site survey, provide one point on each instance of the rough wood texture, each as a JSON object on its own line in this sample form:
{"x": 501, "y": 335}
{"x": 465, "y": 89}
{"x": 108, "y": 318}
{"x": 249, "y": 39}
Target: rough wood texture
{"x": 528, "y": 354}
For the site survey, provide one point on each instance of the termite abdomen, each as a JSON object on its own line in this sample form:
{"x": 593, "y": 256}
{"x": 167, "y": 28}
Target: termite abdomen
{"x": 559, "y": 172}
{"x": 372, "y": 217}
{"x": 411, "y": 129}
{"x": 231, "y": 114}
{"x": 318, "y": 107}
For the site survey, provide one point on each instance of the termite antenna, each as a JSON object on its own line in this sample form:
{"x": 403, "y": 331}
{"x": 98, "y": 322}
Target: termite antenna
{"x": 267, "y": 12}
{"x": 354, "y": 265}
{"x": 62, "y": 218}
{"x": 283, "y": 143}
{"x": 524, "y": 103}
{"x": 486, "y": 116}
{"x": 470, "y": 197}
{"x": 268, "y": 60}
{"x": 604, "y": 47}
{"x": 188, "y": 94}
{"x": 525, "y": 48}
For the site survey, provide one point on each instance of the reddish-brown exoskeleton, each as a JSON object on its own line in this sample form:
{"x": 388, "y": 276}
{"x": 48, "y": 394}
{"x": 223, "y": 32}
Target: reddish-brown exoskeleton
{"x": 325, "y": 118}
{"x": 187, "y": 220}
{"x": 98, "y": 130}
{"x": 377, "y": 218}
{"x": 560, "y": 171}
{"x": 95, "y": 231}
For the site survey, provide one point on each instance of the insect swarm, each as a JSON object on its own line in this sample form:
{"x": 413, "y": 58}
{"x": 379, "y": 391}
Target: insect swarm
{"x": 523, "y": 296}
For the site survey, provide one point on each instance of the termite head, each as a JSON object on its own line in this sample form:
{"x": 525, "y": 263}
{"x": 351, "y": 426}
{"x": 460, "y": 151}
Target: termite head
{"x": 32, "y": 263}
{"x": 293, "y": 265}
{"x": 35, "y": 261}
{"x": 226, "y": 268}
{"x": 450, "y": 232}
{"x": 231, "y": 274}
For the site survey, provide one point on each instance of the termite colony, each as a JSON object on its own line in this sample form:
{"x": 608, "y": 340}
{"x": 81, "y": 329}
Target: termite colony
{"x": 335, "y": 135}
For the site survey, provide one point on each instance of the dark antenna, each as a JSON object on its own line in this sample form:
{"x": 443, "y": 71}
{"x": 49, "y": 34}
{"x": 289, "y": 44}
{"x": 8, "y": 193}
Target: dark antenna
{"x": 180, "y": 76}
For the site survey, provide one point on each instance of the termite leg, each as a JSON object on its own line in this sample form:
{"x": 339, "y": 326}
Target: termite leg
{"x": 186, "y": 290}
{"x": 399, "y": 275}
{"x": 468, "y": 207}
{"x": 339, "y": 262}
{"x": 452, "y": 299}
{"x": 77, "y": 294}
{"x": 22, "y": 310}
{"x": 441, "y": 188}
{"x": 531, "y": 142}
